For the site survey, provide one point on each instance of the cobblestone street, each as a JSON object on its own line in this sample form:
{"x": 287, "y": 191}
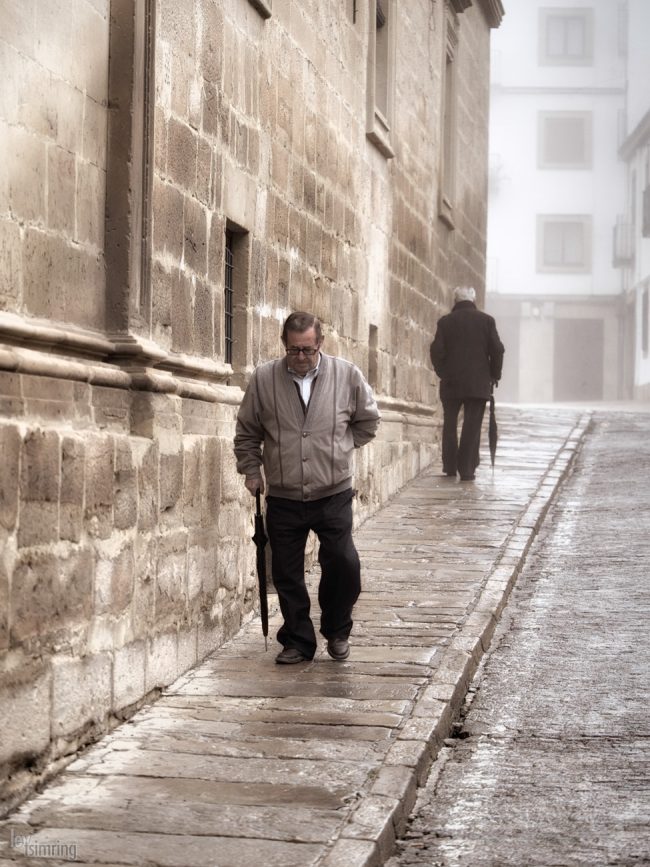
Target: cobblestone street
{"x": 552, "y": 764}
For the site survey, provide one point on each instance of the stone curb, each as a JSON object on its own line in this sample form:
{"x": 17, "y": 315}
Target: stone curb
{"x": 369, "y": 836}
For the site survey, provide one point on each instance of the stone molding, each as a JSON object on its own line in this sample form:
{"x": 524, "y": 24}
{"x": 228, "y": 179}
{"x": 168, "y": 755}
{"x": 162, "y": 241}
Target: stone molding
{"x": 397, "y": 406}
{"x": 492, "y": 9}
{"x": 132, "y": 362}
{"x": 18, "y": 359}
{"x": 35, "y": 363}
{"x": 123, "y": 361}
{"x": 46, "y": 335}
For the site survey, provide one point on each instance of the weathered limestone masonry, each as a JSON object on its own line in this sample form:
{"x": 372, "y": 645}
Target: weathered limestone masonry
{"x": 175, "y": 178}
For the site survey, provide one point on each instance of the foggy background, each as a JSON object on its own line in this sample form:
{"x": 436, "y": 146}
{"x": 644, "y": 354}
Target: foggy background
{"x": 569, "y": 205}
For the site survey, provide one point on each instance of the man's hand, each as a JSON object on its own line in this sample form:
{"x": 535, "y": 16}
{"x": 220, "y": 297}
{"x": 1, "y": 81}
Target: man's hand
{"x": 254, "y": 484}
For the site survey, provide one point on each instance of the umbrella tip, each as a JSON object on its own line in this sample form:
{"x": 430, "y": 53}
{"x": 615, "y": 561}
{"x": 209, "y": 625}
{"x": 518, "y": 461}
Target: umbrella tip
{"x": 266, "y": 643}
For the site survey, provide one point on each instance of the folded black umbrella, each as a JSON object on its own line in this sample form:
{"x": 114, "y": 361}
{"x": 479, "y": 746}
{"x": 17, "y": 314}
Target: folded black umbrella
{"x": 492, "y": 431}
{"x": 260, "y": 538}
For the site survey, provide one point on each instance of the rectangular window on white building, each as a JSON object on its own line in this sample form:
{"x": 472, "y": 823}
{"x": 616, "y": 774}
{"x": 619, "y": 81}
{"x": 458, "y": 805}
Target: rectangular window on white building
{"x": 565, "y": 140}
{"x": 566, "y": 36}
{"x": 564, "y": 244}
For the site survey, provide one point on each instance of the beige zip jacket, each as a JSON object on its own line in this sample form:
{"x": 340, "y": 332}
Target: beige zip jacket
{"x": 306, "y": 452}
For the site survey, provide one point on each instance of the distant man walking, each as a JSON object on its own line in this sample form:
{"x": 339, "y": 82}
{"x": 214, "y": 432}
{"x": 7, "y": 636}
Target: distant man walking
{"x": 467, "y": 355}
{"x": 300, "y": 419}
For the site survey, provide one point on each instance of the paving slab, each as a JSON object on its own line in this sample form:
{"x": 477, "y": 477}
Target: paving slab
{"x": 243, "y": 762}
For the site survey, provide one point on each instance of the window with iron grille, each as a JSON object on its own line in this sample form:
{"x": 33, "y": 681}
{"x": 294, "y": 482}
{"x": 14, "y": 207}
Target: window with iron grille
{"x": 228, "y": 306}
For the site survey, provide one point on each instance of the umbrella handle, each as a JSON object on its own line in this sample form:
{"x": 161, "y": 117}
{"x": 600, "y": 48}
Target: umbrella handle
{"x": 258, "y": 507}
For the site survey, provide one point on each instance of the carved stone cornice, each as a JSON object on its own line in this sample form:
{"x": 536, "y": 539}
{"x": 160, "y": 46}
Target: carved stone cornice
{"x": 460, "y": 5}
{"x": 492, "y": 9}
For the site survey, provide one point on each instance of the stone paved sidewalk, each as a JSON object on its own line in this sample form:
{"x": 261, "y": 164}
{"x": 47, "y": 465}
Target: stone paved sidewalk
{"x": 243, "y": 763}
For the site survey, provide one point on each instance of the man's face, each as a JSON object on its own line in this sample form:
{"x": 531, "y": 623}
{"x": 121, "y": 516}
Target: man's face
{"x": 300, "y": 362}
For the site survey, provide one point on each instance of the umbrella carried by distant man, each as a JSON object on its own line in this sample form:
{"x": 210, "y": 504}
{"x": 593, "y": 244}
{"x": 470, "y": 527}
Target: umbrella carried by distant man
{"x": 467, "y": 356}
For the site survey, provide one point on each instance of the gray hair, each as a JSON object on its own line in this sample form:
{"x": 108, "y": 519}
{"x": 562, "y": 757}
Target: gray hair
{"x": 464, "y": 293}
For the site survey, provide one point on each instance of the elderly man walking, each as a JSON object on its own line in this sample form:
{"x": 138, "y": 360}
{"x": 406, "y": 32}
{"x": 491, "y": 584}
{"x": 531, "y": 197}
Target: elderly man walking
{"x": 300, "y": 420}
{"x": 467, "y": 355}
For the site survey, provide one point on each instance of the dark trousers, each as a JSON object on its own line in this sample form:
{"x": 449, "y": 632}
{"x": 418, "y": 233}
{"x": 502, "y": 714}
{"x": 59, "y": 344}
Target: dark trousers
{"x": 464, "y": 457}
{"x": 288, "y": 523}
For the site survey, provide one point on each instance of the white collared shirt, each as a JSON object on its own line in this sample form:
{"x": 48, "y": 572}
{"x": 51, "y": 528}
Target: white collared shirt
{"x": 306, "y": 382}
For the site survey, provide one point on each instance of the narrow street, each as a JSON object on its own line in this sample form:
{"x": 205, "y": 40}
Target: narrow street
{"x": 552, "y": 763}
{"x": 241, "y": 763}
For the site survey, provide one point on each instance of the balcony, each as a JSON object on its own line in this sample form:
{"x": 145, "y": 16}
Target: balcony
{"x": 623, "y": 252}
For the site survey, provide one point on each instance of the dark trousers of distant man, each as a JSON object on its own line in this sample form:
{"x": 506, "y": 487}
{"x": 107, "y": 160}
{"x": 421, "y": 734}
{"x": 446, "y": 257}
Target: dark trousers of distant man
{"x": 288, "y": 523}
{"x": 461, "y": 457}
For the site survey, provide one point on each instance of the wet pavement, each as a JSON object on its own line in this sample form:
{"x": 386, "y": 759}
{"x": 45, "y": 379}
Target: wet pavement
{"x": 244, "y": 762}
{"x": 552, "y": 763}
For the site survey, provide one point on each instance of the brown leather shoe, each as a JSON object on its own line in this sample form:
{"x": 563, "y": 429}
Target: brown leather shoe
{"x": 338, "y": 648}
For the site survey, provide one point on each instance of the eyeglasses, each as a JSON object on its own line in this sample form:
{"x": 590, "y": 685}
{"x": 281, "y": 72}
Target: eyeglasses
{"x": 307, "y": 351}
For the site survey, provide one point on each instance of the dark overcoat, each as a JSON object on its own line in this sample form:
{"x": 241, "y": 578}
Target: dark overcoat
{"x": 467, "y": 353}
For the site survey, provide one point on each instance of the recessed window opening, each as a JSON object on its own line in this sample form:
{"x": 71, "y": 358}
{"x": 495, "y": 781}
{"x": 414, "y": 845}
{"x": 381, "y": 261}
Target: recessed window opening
{"x": 448, "y": 132}
{"x": 380, "y": 92}
{"x": 381, "y": 59}
{"x": 228, "y": 305}
{"x": 373, "y": 356}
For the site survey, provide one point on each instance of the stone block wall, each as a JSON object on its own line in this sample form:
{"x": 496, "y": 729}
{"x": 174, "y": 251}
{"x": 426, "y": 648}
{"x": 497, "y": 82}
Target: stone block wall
{"x": 125, "y": 558}
{"x": 53, "y": 113}
{"x": 138, "y": 133}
